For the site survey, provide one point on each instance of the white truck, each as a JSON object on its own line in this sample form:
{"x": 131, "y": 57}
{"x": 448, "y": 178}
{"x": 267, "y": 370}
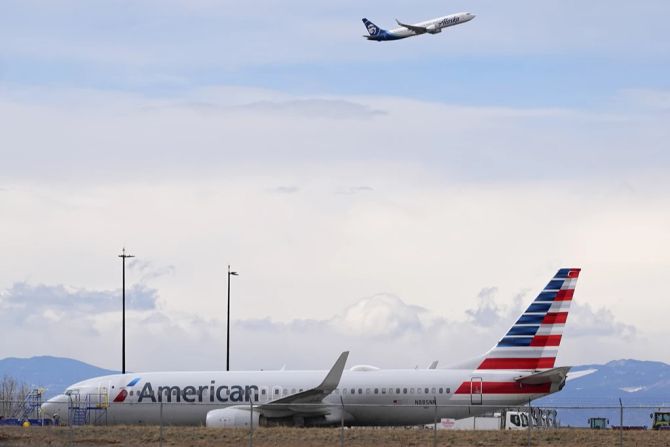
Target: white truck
{"x": 506, "y": 420}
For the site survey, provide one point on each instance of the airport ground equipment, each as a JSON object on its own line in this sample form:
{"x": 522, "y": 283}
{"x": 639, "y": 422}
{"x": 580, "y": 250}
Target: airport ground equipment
{"x": 88, "y": 408}
{"x": 598, "y": 423}
{"x": 660, "y": 420}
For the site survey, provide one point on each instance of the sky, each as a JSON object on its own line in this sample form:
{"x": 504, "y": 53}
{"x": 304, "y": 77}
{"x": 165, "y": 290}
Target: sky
{"x": 402, "y": 200}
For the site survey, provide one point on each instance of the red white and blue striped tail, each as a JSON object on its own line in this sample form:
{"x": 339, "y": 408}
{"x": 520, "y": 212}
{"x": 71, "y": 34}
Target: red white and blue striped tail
{"x": 532, "y": 343}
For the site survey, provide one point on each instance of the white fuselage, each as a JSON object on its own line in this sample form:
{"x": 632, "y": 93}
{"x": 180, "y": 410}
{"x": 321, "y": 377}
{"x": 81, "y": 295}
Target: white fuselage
{"x": 434, "y": 25}
{"x": 368, "y": 397}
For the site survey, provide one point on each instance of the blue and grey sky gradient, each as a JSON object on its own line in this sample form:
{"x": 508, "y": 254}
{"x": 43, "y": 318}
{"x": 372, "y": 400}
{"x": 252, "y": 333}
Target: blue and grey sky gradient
{"x": 415, "y": 192}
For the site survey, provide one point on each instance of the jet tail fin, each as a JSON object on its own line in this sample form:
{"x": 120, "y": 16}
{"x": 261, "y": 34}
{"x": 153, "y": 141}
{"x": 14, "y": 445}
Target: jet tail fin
{"x": 532, "y": 342}
{"x": 373, "y": 29}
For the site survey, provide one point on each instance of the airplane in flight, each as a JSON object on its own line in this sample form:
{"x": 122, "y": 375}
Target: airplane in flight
{"x": 432, "y": 26}
{"x": 519, "y": 368}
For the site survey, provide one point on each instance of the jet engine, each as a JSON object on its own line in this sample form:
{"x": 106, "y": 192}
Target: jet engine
{"x": 433, "y": 29}
{"x": 238, "y": 416}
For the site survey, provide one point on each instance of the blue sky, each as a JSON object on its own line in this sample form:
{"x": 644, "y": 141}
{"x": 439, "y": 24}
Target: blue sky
{"x": 517, "y": 53}
{"x": 416, "y": 180}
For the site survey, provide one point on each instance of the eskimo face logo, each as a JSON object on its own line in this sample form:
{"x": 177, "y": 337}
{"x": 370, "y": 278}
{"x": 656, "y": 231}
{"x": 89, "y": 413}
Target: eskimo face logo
{"x": 372, "y": 29}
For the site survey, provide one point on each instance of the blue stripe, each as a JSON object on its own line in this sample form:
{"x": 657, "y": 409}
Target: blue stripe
{"x": 520, "y": 341}
{"x": 562, "y": 273}
{"x": 133, "y": 382}
{"x": 554, "y": 284}
{"x": 523, "y": 330}
{"x": 539, "y": 307}
{"x": 530, "y": 319}
{"x": 546, "y": 296}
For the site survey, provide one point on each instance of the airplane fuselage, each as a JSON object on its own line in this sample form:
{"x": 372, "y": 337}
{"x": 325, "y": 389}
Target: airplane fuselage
{"x": 368, "y": 397}
{"x": 433, "y": 26}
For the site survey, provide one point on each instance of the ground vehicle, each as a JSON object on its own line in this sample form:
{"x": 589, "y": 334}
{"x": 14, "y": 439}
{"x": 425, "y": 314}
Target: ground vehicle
{"x": 660, "y": 420}
{"x": 598, "y": 423}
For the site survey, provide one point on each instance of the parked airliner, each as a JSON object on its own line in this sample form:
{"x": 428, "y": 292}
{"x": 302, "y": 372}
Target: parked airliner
{"x": 518, "y": 369}
{"x": 432, "y": 26}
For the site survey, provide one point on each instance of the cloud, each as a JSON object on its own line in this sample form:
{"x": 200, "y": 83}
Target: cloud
{"x": 24, "y": 301}
{"x": 375, "y": 329}
{"x": 601, "y": 322}
{"x": 350, "y": 190}
{"x": 314, "y": 108}
{"x": 380, "y": 315}
{"x": 285, "y": 189}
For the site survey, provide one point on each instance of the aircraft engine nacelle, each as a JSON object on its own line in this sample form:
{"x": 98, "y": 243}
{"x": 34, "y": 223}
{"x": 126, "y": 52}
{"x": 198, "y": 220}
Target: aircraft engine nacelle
{"x": 239, "y": 416}
{"x": 433, "y": 29}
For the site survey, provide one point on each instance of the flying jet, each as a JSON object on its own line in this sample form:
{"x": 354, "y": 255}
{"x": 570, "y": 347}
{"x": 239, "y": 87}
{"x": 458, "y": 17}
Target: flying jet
{"x": 519, "y": 368}
{"x": 432, "y": 26}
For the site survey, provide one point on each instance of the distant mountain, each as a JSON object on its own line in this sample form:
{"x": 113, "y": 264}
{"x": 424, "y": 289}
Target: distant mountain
{"x": 53, "y": 373}
{"x": 637, "y": 383}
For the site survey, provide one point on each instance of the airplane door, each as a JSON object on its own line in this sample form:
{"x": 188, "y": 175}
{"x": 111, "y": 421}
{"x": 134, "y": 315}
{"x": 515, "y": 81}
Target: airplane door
{"x": 476, "y": 390}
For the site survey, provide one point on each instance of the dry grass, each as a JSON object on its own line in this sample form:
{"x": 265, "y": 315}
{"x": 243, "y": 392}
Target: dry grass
{"x": 313, "y": 437}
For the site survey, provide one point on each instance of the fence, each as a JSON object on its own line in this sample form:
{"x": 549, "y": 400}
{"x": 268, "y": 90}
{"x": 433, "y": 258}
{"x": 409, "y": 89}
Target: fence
{"x": 164, "y": 416}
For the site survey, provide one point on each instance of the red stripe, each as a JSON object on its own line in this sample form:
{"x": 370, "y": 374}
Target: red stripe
{"x": 555, "y": 318}
{"x": 546, "y": 340}
{"x": 518, "y": 363}
{"x": 574, "y": 273}
{"x": 121, "y": 396}
{"x": 504, "y": 388}
{"x": 564, "y": 295}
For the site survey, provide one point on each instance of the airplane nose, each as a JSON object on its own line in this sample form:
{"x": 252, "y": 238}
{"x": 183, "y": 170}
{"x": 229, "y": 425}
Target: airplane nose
{"x": 56, "y": 407}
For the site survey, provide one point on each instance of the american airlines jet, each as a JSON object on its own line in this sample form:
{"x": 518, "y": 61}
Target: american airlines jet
{"x": 432, "y": 26}
{"x": 518, "y": 369}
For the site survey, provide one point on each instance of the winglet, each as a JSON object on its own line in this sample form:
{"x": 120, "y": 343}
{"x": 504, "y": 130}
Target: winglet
{"x": 332, "y": 380}
{"x": 433, "y": 365}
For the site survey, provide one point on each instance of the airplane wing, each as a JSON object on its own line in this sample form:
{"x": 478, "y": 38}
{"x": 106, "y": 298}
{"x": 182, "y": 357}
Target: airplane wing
{"x": 295, "y": 403}
{"x": 555, "y": 375}
{"x": 416, "y": 29}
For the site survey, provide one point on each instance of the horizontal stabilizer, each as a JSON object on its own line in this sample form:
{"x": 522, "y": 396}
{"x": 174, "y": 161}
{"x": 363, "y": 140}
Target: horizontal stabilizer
{"x": 555, "y": 375}
{"x": 578, "y": 374}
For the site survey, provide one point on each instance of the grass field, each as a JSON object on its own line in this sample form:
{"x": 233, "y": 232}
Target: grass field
{"x": 313, "y": 437}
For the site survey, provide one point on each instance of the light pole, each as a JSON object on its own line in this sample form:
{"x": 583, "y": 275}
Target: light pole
{"x": 123, "y": 256}
{"x": 228, "y": 323}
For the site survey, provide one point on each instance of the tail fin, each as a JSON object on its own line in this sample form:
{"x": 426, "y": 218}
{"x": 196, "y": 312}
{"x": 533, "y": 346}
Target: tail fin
{"x": 532, "y": 343}
{"x": 373, "y": 29}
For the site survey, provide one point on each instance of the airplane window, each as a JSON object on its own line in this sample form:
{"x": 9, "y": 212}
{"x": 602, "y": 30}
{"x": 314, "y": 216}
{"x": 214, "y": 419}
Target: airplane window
{"x": 441, "y": 390}
{"x": 432, "y": 390}
{"x": 301, "y": 390}
{"x": 293, "y": 391}
{"x": 418, "y": 391}
{"x": 426, "y": 390}
{"x": 376, "y": 390}
{"x": 367, "y": 391}
{"x": 353, "y": 391}
{"x": 263, "y": 391}
{"x": 131, "y": 392}
{"x": 383, "y": 390}
{"x": 360, "y": 391}
{"x": 285, "y": 390}
{"x": 390, "y": 390}
{"x": 411, "y": 390}
{"x": 397, "y": 390}
{"x": 276, "y": 390}
{"x": 448, "y": 390}
{"x": 404, "y": 390}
